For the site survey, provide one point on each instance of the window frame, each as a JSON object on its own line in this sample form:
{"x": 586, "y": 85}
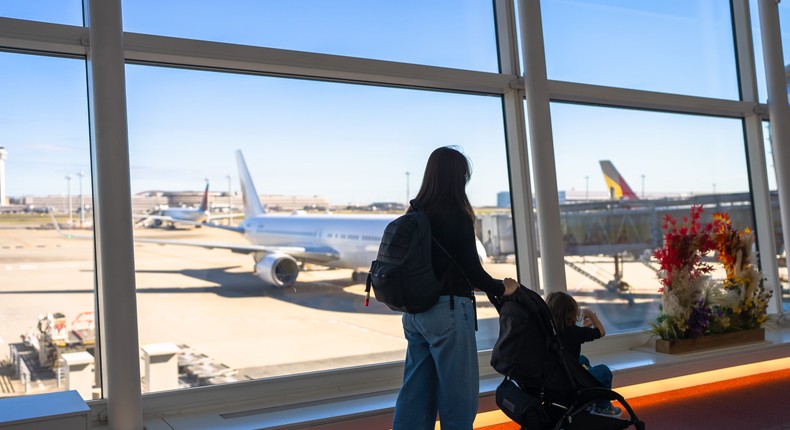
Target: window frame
{"x": 64, "y": 40}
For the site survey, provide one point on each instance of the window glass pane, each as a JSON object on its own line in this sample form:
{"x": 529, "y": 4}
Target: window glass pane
{"x": 46, "y": 280}
{"x": 668, "y": 162}
{"x": 57, "y": 11}
{"x": 776, "y": 217}
{"x": 309, "y": 146}
{"x": 676, "y": 46}
{"x": 759, "y": 61}
{"x": 784, "y": 24}
{"x": 449, "y": 33}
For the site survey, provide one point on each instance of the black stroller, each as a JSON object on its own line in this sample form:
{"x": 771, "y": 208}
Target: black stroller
{"x": 544, "y": 387}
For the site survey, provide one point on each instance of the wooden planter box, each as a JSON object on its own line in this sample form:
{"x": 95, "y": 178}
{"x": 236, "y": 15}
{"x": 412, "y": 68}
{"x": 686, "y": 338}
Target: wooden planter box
{"x": 710, "y": 341}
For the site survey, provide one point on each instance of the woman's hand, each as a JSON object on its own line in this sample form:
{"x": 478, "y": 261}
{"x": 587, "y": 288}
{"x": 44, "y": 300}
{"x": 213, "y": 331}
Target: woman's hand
{"x": 511, "y": 285}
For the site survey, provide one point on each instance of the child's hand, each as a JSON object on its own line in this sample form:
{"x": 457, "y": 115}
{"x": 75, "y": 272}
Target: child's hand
{"x": 587, "y": 318}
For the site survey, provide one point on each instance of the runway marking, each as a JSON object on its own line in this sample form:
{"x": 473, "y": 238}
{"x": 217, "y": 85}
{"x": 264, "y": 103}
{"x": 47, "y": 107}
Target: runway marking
{"x": 38, "y": 246}
{"x": 47, "y": 266}
{"x": 270, "y": 321}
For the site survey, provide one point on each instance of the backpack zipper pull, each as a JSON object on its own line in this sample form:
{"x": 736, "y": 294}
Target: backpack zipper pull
{"x": 367, "y": 290}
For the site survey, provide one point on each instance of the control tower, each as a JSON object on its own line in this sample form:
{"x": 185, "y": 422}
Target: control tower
{"x": 3, "y": 198}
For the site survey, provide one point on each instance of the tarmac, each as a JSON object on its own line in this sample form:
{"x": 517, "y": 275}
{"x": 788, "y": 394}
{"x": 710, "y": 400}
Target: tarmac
{"x": 210, "y": 301}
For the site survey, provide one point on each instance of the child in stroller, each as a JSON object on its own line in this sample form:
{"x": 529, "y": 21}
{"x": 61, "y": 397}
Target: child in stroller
{"x": 544, "y": 386}
{"x": 565, "y": 311}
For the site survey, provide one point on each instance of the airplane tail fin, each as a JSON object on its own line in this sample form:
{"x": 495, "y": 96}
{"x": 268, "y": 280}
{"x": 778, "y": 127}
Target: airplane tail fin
{"x": 252, "y": 203}
{"x": 618, "y": 188}
{"x": 204, "y": 201}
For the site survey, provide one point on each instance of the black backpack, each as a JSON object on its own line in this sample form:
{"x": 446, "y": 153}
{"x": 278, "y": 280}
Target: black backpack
{"x": 402, "y": 274}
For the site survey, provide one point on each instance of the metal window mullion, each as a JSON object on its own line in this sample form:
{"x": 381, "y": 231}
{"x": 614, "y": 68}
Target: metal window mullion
{"x": 541, "y": 142}
{"x": 59, "y": 39}
{"x": 779, "y": 112}
{"x": 755, "y": 148}
{"x": 516, "y": 140}
{"x": 118, "y": 332}
{"x": 639, "y": 99}
{"x": 171, "y": 51}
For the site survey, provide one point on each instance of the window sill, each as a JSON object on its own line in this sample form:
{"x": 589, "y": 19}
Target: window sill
{"x": 354, "y": 399}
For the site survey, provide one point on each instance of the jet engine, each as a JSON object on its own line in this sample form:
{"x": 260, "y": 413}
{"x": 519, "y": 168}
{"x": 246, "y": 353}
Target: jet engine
{"x": 277, "y": 269}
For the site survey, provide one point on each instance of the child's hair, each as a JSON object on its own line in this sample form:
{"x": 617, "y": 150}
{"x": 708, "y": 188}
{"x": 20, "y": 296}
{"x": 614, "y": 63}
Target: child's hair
{"x": 563, "y": 308}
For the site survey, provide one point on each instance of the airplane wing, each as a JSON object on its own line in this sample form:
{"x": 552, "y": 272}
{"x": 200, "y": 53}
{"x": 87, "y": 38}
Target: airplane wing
{"x": 143, "y": 217}
{"x": 310, "y": 254}
{"x": 226, "y": 216}
{"x": 316, "y": 255}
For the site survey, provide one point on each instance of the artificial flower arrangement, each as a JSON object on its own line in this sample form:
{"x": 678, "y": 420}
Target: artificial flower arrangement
{"x": 692, "y": 304}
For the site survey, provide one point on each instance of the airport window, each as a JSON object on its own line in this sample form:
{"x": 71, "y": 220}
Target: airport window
{"x": 784, "y": 21}
{"x": 759, "y": 61}
{"x": 352, "y": 141}
{"x": 678, "y": 46}
{"x": 447, "y": 33}
{"x": 47, "y": 320}
{"x": 56, "y": 11}
{"x": 302, "y": 141}
{"x": 620, "y": 172}
{"x": 781, "y": 250}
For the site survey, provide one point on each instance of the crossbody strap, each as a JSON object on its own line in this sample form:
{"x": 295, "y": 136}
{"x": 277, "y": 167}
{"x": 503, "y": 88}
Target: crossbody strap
{"x": 452, "y": 299}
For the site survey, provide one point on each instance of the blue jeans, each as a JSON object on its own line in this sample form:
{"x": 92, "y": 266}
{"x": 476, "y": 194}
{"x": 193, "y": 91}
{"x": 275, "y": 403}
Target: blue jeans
{"x": 441, "y": 373}
{"x": 601, "y": 372}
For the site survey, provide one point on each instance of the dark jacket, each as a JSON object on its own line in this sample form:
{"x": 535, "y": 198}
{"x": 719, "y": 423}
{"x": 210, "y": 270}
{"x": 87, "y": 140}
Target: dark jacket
{"x": 573, "y": 337}
{"x": 455, "y": 233}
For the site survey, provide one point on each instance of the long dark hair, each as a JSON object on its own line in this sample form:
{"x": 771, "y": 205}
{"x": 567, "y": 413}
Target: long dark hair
{"x": 443, "y": 189}
{"x": 563, "y": 308}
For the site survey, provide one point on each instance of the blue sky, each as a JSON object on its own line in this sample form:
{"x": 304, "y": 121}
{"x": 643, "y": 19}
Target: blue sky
{"x": 355, "y": 144}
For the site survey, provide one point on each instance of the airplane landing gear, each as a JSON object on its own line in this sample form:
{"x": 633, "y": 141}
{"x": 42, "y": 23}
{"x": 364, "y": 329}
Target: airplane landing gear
{"x": 617, "y": 285}
{"x": 359, "y": 277}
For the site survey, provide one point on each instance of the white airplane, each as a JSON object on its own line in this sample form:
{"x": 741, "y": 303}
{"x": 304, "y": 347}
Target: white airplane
{"x": 195, "y": 216}
{"x": 280, "y": 244}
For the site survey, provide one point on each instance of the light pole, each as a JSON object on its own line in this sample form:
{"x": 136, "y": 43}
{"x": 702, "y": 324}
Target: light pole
{"x": 68, "y": 197}
{"x": 82, "y": 200}
{"x": 230, "y": 209}
{"x": 407, "y": 189}
{"x": 643, "y": 186}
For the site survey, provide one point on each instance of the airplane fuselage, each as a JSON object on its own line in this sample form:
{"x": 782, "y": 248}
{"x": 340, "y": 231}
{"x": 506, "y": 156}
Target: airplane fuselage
{"x": 185, "y": 214}
{"x": 354, "y": 238}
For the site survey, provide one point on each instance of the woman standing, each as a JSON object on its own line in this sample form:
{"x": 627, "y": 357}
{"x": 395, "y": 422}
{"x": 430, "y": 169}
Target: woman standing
{"x": 441, "y": 370}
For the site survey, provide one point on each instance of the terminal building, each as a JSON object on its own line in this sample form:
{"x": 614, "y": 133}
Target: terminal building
{"x": 329, "y": 105}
